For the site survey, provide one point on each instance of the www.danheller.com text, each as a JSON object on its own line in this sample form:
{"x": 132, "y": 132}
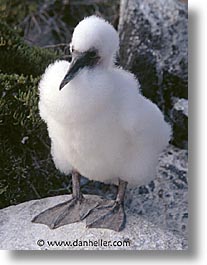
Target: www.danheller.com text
{"x": 84, "y": 243}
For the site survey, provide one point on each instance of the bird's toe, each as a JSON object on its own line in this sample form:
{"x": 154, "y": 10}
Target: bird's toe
{"x": 109, "y": 215}
{"x": 59, "y": 215}
{"x": 68, "y": 212}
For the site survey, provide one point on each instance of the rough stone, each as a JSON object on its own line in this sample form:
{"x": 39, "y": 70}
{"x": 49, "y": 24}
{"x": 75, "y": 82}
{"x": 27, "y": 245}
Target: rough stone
{"x": 179, "y": 116}
{"x": 166, "y": 202}
{"x": 154, "y": 45}
{"x": 17, "y": 231}
{"x": 157, "y": 216}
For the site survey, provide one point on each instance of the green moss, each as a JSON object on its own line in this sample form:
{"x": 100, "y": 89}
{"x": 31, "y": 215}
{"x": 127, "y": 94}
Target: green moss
{"x": 26, "y": 168}
{"x": 19, "y": 101}
{"x": 14, "y": 12}
{"x": 18, "y": 57}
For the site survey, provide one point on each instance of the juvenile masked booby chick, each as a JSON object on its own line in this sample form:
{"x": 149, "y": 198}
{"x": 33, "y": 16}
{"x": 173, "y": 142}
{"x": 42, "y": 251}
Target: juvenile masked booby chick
{"x": 100, "y": 126}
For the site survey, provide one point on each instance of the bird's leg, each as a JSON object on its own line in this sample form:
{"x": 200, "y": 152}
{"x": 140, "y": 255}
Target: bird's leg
{"x": 121, "y": 191}
{"x": 71, "y": 211}
{"x": 76, "y": 192}
{"x": 109, "y": 213}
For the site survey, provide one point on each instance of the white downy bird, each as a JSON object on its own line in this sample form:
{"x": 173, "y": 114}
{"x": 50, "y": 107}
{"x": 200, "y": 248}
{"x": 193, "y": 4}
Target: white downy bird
{"x": 100, "y": 126}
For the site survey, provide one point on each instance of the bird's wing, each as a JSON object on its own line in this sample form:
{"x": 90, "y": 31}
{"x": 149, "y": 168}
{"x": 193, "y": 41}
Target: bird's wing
{"x": 142, "y": 119}
{"x": 49, "y": 86}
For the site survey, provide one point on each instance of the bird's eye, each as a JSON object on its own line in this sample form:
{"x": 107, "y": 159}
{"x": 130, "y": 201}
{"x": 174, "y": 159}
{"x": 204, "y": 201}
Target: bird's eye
{"x": 93, "y": 54}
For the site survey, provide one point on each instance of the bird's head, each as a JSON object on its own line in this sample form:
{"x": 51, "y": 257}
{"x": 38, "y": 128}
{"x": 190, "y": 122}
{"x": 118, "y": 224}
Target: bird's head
{"x": 94, "y": 42}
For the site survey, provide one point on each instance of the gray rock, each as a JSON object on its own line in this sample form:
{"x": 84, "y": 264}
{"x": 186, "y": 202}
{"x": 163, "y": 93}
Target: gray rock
{"x": 165, "y": 200}
{"x": 156, "y": 217}
{"x": 17, "y": 231}
{"x": 181, "y": 105}
{"x": 154, "y": 45}
{"x": 179, "y": 117}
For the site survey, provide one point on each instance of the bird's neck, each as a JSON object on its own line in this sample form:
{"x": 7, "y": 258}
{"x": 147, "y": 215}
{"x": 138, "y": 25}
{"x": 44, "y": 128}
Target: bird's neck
{"x": 107, "y": 63}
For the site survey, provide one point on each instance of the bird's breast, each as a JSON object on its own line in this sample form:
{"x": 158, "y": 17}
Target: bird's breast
{"x": 90, "y": 141}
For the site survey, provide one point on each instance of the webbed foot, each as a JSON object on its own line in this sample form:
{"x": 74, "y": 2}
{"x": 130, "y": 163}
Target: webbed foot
{"x": 74, "y": 210}
{"x": 65, "y": 213}
{"x": 108, "y": 214}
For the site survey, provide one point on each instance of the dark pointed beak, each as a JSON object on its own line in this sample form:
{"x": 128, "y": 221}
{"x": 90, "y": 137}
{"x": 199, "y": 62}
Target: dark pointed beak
{"x": 79, "y": 61}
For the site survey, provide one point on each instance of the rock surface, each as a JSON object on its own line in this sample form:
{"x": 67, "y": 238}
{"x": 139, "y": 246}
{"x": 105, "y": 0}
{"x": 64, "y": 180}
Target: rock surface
{"x": 154, "y": 46}
{"x": 17, "y": 231}
{"x": 179, "y": 116}
{"x": 164, "y": 202}
{"x": 157, "y": 217}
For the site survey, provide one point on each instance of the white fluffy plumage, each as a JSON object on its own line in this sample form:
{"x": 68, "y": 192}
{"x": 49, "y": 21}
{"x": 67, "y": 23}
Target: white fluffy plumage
{"x": 99, "y": 123}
